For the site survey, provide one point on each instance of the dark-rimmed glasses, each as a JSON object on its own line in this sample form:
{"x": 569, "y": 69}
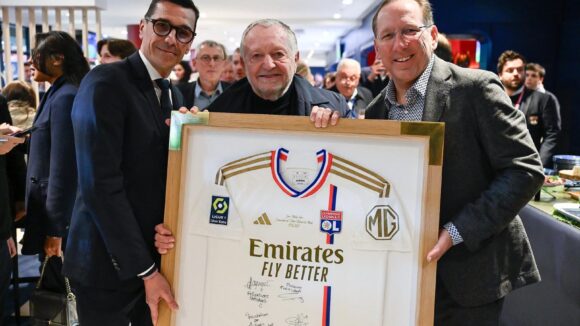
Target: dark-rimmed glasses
{"x": 164, "y": 28}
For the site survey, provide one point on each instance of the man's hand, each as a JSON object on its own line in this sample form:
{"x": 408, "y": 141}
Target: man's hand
{"x": 157, "y": 288}
{"x": 443, "y": 244}
{"x": 164, "y": 239}
{"x": 53, "y": 246}
{"x": 183, "y": 109}
{"x": 11, "y": 247}
{"x": 321, "y": 116}
{"x": 377, "y": 69}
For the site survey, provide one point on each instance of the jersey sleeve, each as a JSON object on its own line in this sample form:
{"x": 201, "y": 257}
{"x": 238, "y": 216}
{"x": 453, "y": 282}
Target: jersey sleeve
{"x": 386, "y": 226}
{"x": 215, "y": 215}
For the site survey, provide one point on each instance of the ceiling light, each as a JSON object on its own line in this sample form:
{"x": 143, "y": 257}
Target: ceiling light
{"x": 337, "y": 16}
{"x": 347, "y": 2}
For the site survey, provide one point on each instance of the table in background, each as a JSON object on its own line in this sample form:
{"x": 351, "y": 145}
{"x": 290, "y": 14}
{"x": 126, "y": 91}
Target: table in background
{"x": 556, "y": 300}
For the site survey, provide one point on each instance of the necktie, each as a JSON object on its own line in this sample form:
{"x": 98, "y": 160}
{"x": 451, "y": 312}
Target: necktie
{"x": 165, "y": 101}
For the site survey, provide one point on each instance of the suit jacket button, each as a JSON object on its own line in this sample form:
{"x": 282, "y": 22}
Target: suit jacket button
{"x": 33, "y": 180}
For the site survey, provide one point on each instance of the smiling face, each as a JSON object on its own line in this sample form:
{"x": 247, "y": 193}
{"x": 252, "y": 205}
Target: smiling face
{"x": 269, "y": 61}
{"x": 404, "y": 59}
{"x": 164, "y": 52}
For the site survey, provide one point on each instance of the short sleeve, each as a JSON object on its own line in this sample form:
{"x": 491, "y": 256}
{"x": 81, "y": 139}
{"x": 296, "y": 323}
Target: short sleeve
{"x": 386, "y": 227}
{"x": 215, "y": 215}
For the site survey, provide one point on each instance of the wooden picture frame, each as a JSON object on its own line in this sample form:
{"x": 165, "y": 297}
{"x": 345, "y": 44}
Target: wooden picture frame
{"x": 408, "y": 154}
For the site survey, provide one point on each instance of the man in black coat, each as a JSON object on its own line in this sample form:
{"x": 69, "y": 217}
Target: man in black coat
{"x": 542, "y": 111}
{"x": 121, "y": 136}
{"x": 269, "y": 54}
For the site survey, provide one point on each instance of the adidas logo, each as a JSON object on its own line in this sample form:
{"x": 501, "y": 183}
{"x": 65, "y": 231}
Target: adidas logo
{"x": 263, "y": 220}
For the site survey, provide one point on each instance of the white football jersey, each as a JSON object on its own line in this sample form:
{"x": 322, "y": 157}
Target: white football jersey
{"x": 289, "y": 247}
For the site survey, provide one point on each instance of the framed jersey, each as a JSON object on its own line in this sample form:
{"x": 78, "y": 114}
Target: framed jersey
{"x": 281, "y": 223}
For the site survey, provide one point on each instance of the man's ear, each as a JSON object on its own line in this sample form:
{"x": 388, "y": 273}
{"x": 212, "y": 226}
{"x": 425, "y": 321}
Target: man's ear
{"x": 297, "y": 56}
{"x": 141, "y": 28}
{"x": 434, "y": 36}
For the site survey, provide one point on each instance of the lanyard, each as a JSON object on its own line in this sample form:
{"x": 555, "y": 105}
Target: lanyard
{"x": 517, "y": 105}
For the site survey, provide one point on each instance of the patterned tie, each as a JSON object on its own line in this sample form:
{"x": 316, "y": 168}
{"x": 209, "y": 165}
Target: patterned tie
{"x": 165, "y": 101}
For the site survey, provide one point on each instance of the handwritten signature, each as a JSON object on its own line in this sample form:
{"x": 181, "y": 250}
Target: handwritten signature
{"x": 291, "y": 292}
{"x": 257, "y": 285}
{"x": 298, "y": 320}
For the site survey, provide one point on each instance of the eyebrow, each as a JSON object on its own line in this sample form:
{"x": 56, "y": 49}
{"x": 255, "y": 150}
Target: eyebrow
{"x": 170, "y": 23}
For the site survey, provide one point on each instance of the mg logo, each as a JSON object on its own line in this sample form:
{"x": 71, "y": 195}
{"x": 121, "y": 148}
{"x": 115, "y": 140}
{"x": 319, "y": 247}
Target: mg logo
{"x": 382, "y": 222}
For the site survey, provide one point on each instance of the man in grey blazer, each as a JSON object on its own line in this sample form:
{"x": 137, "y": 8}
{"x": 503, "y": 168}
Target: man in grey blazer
{"x": 491, "y": 168}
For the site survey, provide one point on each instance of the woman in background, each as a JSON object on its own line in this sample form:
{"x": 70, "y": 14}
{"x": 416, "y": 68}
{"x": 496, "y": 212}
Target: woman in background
{"x": 182, "y": 73}
{"x": 21, "y": 103}
{"x": 51, "y": 180}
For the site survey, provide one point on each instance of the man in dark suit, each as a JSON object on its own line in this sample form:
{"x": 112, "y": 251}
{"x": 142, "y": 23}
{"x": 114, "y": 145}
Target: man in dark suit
{"x": 347, "y": 84}
{"x": 209, "y": 61}
{"x": 490, "y": 170}
{"x": 121, "y": 137}
{"x": 541, "y": 110}
{"x": 269, "y": 54}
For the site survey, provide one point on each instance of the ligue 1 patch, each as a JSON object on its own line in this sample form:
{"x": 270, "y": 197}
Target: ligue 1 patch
{"x": 330, "y": 222}
{"x": 219, "y": 210}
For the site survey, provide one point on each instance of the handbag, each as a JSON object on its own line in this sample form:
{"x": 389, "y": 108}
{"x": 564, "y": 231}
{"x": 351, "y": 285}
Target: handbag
{"x": 50, "y": 305}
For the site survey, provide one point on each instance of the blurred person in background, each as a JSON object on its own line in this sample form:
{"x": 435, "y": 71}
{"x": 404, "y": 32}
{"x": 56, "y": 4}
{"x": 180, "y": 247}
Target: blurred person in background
{"x": 21, "y": 103}
{"x": 541, "y": 110}
{"x": 329, "y": 80}
{"x": 377, "y": 79}
{"x": 51, "y": 180}
{"x": 182, "y": 72}
{"x": 12, "y": 174}
{"x": 239, "y": 71}
{"x": 443, "y": 50}
{"x": 113, "y": 50}
{"x": 228, "y": 73}
{"x": 303, "y": 70}
{"x": 210, "y": 62}
{"x": 357, "y": 97}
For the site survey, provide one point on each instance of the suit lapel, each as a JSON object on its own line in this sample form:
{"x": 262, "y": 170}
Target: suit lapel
{"x": 438, "y": 87}
{"x": 145, "y": 85}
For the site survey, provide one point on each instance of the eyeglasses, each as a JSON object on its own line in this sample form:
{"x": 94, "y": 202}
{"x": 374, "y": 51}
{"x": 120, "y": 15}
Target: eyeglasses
{"x": 344, "y": 78}
{"x": 164, "y": 28}
{"x": 407, "y": 34}
{"x": 208, "y": 58}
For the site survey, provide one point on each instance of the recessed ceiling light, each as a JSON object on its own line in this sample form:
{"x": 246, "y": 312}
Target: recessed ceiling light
{"x": 337, "y": 16}
{"x": 347, "y": 2}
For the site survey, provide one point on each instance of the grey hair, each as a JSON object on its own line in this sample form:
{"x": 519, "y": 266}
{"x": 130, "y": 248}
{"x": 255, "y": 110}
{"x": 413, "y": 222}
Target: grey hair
{"x": 211, "y": 44}
{"x": 291, "y": 37}
{"x": 349, "y": 62}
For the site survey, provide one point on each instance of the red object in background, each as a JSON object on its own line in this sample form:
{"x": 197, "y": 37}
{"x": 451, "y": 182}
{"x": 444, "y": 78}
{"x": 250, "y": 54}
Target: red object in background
{"x": 371, "y": 57}
{"x": 133, "y": 35}
{"x": 464, "y": 46}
